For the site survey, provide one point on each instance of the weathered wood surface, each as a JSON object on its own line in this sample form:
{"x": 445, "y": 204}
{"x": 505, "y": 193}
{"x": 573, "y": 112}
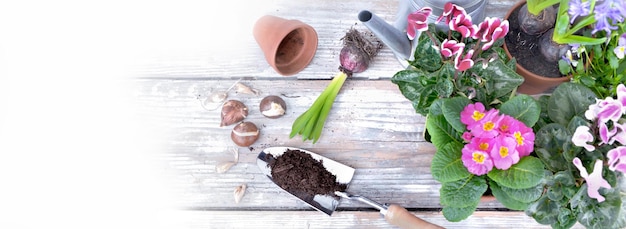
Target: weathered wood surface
{"x": 371, "y": 127}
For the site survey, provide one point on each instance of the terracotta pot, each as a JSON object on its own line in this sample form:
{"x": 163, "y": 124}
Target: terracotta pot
{"x": 533, "y": 83}
{"x": 288, "y": 45}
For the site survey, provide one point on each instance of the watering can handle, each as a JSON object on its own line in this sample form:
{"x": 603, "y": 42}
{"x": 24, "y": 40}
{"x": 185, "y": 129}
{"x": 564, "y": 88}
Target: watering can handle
{"x": 402, "y": 218}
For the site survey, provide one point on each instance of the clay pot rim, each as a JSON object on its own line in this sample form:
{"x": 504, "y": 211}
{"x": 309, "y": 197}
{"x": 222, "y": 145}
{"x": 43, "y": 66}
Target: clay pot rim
{"x": 520, "y": 67}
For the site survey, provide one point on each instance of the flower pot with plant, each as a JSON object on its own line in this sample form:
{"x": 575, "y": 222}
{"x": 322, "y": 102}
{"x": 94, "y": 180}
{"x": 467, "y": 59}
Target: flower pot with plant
{"x": 482, "y": 129}
{"x": 582, "y": 43}
{"x": 582, "y": 144}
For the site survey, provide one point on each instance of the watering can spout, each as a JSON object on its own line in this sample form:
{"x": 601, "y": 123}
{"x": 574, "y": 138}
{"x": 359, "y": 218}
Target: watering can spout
{"x": 392, "y": 37}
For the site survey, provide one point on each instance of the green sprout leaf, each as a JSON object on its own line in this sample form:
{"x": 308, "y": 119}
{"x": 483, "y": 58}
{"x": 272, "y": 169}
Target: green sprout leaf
{"x": 310, "y": 123}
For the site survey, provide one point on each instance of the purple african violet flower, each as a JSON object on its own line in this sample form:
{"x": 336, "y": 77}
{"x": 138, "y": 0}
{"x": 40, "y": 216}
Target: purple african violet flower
{"x": 578, "y": 8}
{"x": 595, "y": 181}
{"x": 617, "y": 159}
{"x": 503, "y": 152}
{"x": 451, "y": 47}
{"x": 621, "y": 46}
{"x": 582, "y": 136}
{"x": 417, "y": 21}
{"x": 475, "y": 159}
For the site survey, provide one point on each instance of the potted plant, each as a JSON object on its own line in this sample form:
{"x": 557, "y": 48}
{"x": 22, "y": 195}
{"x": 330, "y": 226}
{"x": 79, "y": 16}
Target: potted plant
{"x": 577, "y": 39}
{"x": 582, "y": 144}
{"x": 466, "y": 87}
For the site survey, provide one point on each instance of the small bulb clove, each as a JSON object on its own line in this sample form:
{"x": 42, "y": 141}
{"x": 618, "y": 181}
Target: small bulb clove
{"x": 214, "y": 100}
{"x": 233, "y": 111}
{"x": 224, "y": 166}
{"x": 244, "y": 89}
{"x": 239, "y": 192}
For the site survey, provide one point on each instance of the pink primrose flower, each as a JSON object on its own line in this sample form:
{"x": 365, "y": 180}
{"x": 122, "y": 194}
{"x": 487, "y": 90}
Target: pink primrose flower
{"x": 417, "y": 21}
{"x": 467, "y": 136}
{"x": 472, "y": 114}
{"x": 617, "y": 159}
{"x": 465, "y": 62}
{"x": 476, "y": 160}
{"x": 582, "y": 136}
{"x": 503, "y": 153}
{"x": 508, "y": 125}
{"x": 595, "y": 181}
{"x": 490, "y": 30}
{"x": 488, "y": 126}
{"x": 451, "y": 47}
{"x": 524, "y": 138}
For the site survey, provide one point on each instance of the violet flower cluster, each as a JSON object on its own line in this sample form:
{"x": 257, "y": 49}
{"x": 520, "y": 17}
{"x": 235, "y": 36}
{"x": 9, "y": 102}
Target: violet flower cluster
{"x": 493, "y": 139}
{"x": 457, "y": 19}
{"x": 608, "y": 124}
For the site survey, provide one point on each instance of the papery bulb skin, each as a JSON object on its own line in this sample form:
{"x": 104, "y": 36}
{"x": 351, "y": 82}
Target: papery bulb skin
{"x": 536, "y": 24}
{"x": 550, "y": 49}
{"x": 353, "y": 59}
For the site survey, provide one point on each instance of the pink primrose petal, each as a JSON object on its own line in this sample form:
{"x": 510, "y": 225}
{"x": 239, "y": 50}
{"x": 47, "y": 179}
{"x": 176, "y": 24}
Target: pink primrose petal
{"x": 581, "y": 138}
{"x": 476, "y": 161}
{"x": 472, "y": 114}
{"x": 488, "y": 126}
{"x": 503, "y": 152}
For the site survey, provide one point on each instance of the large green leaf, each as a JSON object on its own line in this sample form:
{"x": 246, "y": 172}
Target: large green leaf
{"x": 417, "y": 87}
{"x": 594, "y": 214}
{"x": 426, "y": 56}
{"x": 501, "y": 78}
{"x": 463, "y": 193}
{"x": 456, "y": 214}
{"x": 440, "y": 131}
{"x": 527, "y": 173}
{"x": 452, "y": 108}
{"x": 525, "y": 195}
{"x": 505, "y": 198}
{"x": 523, "y": 108}
{"x": 569, "y": 100}
{"x": 447, "y": 165}
{"x": 549, "y": 141}
{"x": 544, "y": 211}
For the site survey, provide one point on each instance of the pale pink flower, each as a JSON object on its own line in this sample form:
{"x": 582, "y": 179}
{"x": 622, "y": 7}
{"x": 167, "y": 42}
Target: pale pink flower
{"x": 503, "y": 152}
{"x": 617, "y": 159}
{"x": 475, "y": 159}
{"x": 581, "y": 138}
{"x": 472, "y": 114}
{"x": 595, "y": 181}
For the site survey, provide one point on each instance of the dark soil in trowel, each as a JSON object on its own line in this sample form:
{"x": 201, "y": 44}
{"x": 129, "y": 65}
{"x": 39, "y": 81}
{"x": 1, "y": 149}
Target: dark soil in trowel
{"x": 299, "y": 173}
{"x": 524, "y": 48}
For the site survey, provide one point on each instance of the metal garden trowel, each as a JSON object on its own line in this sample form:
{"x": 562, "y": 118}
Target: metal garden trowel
{"x": 327, "y": 204}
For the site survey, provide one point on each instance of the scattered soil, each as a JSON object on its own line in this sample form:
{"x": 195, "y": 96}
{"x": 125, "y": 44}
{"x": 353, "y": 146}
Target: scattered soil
{"x": 299, "y": 173}
{"x": 290, "y": 47}
{"x": 526, "y": 51}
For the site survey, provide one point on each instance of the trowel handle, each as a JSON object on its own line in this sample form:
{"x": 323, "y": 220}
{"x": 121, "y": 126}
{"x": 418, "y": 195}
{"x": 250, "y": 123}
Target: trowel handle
{"x": 402, "y": 218}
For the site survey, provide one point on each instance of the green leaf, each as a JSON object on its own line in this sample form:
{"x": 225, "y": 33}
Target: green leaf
{"x": 463, "y": 193}
{"x": 456, "y": 214}
{"x": 506, "y": 199}
{"x": 525, "y": 195}
{"x": 523, "y": 108}
{"x": 527, "y": 173}
{"x": 501, "y": 78}
{"x": 417, "y": 87}
{"x": 593, "y": 214}
{"x": 569, "y": 100}
{"x": 440, "y": 131}
{"x": 426, "y": 57}
{"x": 536, "y": 6}
{"x": 452, "y": 108}
{"x": 549, "y": 141}
{"x": 447, "y": 165}
{"x": 544, "y": 211}
{"x": 565, "y": 219}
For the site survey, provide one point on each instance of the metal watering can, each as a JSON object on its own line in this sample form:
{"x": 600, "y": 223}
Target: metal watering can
{"x": 394, "y": 35}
